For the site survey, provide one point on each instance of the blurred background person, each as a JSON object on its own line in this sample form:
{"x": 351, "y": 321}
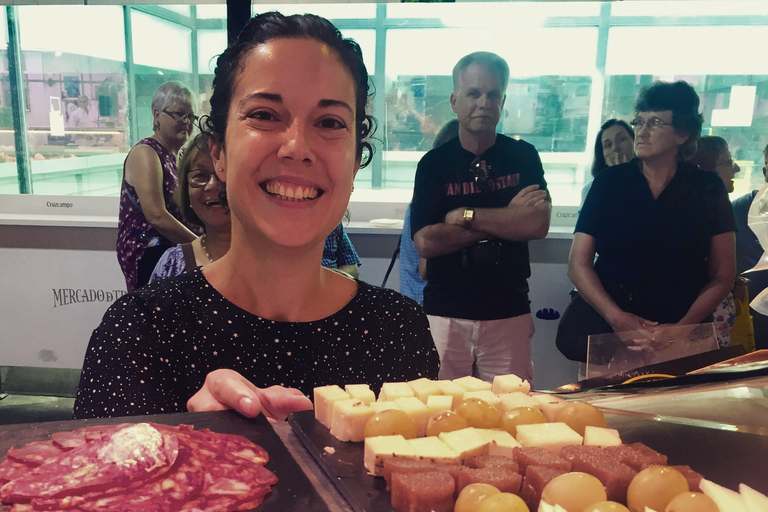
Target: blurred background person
{"x": 713, "y": 154}
{"x": 150, "y": 221}
{"x": 748, "y": 253}
{"x": 203, "y": 203}
{"x": 614, "y": 145}
{"x": 79, "y": 117}
{"x": 199, "y": 195}
{"x": 663, "y": 231}
{"x": 411, "y": 282}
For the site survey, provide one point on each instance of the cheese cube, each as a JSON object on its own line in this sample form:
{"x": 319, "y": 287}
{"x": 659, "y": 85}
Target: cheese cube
{"x": 360, "y": 392}
{"x": 324, "y": 398}
{"x": 599, "y": 436}
{"x": 455, "y": 391}
{"x": 424, "y": 388}
{"x": 349, "y": 419}
{"x": 486, "y": 396}
{"x": 509, "y": 384}
{"x": 418, "y": 412}
{"x": 377, "y": 449}
{"x": 549, "y": 404}
{"x": 552, "y": 436}
{"x": 509, "y": 401}
{"x": 471, "y": 383}
{"x": 467, "y": 442}
{"x": 500, "y": 442}
{"x": 393, "y": 390}
{"x": 383, "y": 406}
{"x": 431, "y": 449}
{"x": 437, "y": 403}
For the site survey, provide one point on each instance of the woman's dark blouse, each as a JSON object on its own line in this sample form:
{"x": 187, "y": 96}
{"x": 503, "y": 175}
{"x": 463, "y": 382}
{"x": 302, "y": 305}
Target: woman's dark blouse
{"x": 673, "y": 232}
{"x": 155, "y": 346}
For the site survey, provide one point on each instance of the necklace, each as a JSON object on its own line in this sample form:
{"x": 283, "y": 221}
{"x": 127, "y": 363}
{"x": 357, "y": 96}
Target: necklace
{"x": 205, "y": 249}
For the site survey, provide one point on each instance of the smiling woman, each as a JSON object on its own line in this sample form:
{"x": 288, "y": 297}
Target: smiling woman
{"x": 260, "y": 327}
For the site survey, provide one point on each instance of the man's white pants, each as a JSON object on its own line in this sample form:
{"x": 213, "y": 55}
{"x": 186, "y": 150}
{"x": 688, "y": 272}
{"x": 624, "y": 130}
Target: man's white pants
{"x": 483, "y": 348}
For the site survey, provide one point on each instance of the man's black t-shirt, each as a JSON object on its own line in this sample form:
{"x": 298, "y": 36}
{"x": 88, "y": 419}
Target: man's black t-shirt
{"x": 458, "y": 286}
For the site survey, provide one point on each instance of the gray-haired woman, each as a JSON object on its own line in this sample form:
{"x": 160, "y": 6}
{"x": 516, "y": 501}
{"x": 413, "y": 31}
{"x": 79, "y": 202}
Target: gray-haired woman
{"x": 150, "y": 221}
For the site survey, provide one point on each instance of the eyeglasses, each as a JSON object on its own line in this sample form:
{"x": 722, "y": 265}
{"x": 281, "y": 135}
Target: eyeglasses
{"x": 199, "y": 178}
{"x": 481, "y": 171}
{"x": 727, "y": 163}
{"x": 654, "y": 123}
{"x": 181, "y": 116}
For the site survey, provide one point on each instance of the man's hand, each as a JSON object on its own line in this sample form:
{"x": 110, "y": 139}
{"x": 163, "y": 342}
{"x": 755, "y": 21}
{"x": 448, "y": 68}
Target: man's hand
{"x": 226, "y": 389}
{"x": 455, "y": 217}
{"x": 529, "y": 196}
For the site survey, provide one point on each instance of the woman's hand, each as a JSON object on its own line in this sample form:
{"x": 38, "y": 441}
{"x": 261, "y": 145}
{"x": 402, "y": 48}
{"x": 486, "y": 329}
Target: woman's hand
{"x": 624, "y": 322}
{"x": 226, "y": 389}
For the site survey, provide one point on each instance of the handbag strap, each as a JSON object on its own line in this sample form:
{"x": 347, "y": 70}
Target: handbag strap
{"x": 189, "y": 256}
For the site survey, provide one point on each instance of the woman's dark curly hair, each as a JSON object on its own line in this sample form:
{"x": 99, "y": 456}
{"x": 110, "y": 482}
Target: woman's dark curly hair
{"x": 682, "y": 100}
{"x": 271, "y": 25}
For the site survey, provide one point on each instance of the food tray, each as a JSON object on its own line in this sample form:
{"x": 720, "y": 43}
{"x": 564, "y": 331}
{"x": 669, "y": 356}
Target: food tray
{"x": 292, "y": 492}
{"x": 718, "y": 451}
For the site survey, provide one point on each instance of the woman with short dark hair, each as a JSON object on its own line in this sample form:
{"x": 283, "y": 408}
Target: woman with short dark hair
{"x": 663, "y": 230}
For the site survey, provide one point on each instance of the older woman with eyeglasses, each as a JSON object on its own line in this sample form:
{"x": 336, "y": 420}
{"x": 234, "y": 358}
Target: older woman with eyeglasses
{"x": 663, "y": 231}
{"x": 150, "y": 221}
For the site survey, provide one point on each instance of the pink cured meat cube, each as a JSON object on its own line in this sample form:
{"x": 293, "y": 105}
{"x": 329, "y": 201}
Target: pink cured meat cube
{"x": 536, "y": 477}
{"x": 639, "y": 456}
{"x": 602, "y": 464}
{"x": 504, "y": 479}
{"x": 423, "y": 492}
{"x": 694, "y": 478}
{"x": 537, "y": 456}
{"x": 496, "y": 461}
{"x": 404, "y": 465}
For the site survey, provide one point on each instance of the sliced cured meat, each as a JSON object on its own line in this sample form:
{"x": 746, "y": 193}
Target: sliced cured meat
{"x": 10, "y": 470}
{"x": 138, "y": 452}
{"x": 35, "y": 453}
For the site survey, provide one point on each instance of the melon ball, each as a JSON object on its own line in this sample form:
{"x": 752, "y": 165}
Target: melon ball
{"x": 470, "y": 497}
{"x": 692, "y": 502}
{"x": 391, "y": 422}
{"x": 578, "y": 415}
{"x": 521, "y": 416}
{"x": 654, "y": 488}
{"x": 503, "y": 502}
{"x": 479, "y": 413}
{"x": 606, "y": 506}
{"x": 574, "y": 491}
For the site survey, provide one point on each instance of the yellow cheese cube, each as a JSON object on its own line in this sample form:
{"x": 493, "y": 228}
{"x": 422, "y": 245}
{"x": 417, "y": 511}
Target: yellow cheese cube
{"x": 360, "y": 392}
{"x": 549, "y": 404}
{"x": 324, "y": 398}
{"x": 500, "y": 442}
{"x": 393, "y": 390}
{"x": 432, "y": 449}
{"x": 552, "y": 436}
{"x": 467, "y": 442}
{"x": 599, "y": 436}
{"x": 471, "y": 383}
{"x": 509, "y": 401}
{"x": 455, "y": 391}
{"x": 437, "y": 403}
{"x": 383, "y": 406}
{"x": 378, "y": 449}
{"x": 509, "y": 384}
{"x": 423, "y": 388}
{"x": 417, "y": 410}
{"x": 349, "y": 419}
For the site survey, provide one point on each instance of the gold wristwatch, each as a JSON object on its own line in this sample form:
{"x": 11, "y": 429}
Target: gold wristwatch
{"x": 469, "y": 214}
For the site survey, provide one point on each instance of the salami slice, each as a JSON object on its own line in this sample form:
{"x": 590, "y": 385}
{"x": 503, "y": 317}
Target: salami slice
{"x": 137, "y": 452}
{"x": 35, "y": 453}
{"x": 10, "y": 470}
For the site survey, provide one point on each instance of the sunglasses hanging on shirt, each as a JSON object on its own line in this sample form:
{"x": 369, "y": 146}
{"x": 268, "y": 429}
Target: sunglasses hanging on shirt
{"x": 481, "y": 172}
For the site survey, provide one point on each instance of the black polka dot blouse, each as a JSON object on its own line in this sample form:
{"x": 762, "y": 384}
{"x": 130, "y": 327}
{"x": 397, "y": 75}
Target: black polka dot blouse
{"x": 155, "y": 346}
